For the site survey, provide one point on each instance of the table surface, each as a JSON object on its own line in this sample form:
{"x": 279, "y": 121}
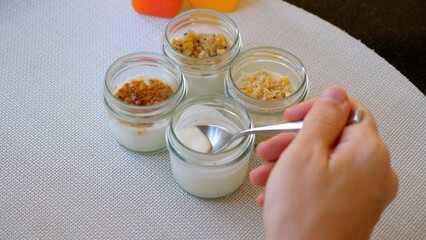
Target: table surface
{"x": 63, "y": 176}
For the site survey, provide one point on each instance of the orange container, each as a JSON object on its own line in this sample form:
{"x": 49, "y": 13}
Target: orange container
{"x": 218, "y": 5}
{"x": 159, "y": 8}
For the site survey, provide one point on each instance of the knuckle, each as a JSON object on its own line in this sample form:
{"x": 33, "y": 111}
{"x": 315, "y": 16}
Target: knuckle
{"x": 382, "y": 152}
{"x": 376, "y": 154}
{"x": 327, "y": 115}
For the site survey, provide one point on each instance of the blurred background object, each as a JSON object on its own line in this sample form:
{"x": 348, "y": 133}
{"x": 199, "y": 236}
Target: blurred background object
{"x": 218, "y": 5}
{"x": 396, "y": 30}
{"x": 159, "y": 8}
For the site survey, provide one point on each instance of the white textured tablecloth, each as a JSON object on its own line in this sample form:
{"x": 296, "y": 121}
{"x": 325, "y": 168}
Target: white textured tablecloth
{"x": 63, "y": 176}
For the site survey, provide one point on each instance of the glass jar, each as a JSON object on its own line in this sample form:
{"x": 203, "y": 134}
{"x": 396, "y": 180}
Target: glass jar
{"x": 277, "y": 62}
{"x": 209, "y": 175}
{"x": 142, "y": 128}
{"x": 203, "y": 75}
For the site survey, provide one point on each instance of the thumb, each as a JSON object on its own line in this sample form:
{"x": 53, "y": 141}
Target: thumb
{"x": 325, "y": 121}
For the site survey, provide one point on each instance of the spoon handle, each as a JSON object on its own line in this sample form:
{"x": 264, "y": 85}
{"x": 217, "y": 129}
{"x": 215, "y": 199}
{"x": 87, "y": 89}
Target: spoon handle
{"x": 355, "y": 117}
{"x": 283, "y": 127}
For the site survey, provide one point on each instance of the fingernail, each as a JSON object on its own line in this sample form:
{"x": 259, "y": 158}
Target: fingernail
{"x": 334, "y": 94}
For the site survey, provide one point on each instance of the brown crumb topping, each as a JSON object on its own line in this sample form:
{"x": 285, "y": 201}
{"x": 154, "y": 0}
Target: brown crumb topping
{"x": 262, "y": 85}
{"x": 137, "y": 92}
{"x": 200, "y": 45}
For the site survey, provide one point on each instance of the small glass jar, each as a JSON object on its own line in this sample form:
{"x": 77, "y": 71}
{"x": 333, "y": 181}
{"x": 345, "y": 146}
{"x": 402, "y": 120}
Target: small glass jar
{"x": 210, "y": 175}
{"x": 203, "y": 75}
{"x": 278, "y": 62}
{"x": 142, "y": 128}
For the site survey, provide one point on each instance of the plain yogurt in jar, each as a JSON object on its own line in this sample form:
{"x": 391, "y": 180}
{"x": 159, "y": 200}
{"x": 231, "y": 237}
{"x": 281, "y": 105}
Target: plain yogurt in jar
{"x": 202, "y": 174}
{"x": 140, "y": 137}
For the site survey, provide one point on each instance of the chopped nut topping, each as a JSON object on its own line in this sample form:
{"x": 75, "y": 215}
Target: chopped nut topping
{"x": 262, "y": 85}
{"x": 200, "y": 45}
{"x": 137, "y": 92}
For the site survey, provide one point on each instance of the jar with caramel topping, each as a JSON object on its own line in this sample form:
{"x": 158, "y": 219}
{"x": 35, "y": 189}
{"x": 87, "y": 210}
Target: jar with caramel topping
{"x": 140, "y": 92}
{"x": 203, "y": 43}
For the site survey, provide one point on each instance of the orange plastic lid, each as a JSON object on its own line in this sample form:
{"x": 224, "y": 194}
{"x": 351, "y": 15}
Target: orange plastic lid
{"x": 159, "y": 8}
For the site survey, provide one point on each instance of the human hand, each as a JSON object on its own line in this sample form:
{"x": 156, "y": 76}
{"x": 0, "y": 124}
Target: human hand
{"x": 329, "y": 181}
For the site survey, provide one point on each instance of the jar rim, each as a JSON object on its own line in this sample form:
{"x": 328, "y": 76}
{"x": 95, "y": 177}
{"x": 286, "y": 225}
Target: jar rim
{"x": 118, "y": 64}
{"x": 272, "y": 51}
{"x": 207, "y": 12}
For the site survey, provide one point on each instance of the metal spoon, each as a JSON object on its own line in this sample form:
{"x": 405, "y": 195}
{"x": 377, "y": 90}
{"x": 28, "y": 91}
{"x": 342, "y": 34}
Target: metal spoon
{"x": 220, "y": 137}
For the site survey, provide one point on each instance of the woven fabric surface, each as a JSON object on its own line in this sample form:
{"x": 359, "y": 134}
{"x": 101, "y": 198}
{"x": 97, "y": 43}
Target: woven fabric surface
{"x": 63, "y": 176}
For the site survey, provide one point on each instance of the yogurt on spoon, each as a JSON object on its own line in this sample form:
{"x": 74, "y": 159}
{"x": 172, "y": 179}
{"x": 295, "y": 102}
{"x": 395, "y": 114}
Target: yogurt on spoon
{"x": 194, "y": 139}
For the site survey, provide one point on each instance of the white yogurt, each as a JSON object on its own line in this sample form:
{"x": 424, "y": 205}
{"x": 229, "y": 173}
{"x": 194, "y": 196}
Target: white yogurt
{"x": 209, "y": 182}
{"x": 142, "y": 138}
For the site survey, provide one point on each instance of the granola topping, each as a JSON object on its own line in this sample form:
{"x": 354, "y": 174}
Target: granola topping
{"x": 137, "y": 92}
{"x": 263, "y": 85}
{"x": 201, "y": 45}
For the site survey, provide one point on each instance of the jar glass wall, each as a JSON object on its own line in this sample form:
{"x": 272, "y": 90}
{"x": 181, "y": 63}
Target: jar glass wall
{"x": 204, "y": 75}
{"x": 278, "y": 62}
{"x": 142, "y": 128}
{"x": 209, "y": 175}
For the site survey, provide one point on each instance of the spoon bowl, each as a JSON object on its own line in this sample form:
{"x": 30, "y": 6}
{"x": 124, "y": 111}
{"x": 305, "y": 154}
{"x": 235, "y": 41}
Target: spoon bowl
{"x": 220, "y": 137}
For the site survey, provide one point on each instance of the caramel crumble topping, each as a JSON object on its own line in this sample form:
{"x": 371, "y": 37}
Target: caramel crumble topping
{"x": 201, "y": 45}
{"x": 137, "y": 92}
{"x": 262, "y": 85}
